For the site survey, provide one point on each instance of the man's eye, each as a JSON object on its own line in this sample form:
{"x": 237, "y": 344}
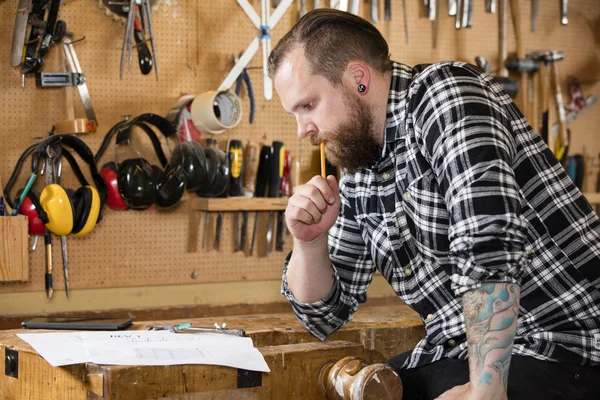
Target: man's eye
{"x": 308, "y": 106}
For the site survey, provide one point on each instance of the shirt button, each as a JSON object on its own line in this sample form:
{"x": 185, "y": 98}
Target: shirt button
{"x": 529, "y": 252}
{"x": 396, "y": 223}
{"x": 386, "y": 175}
{"x": 451, "y": 343}
{"x": 429, "y": 318}
{"x": 407, "y": 272}
{"x": 407, "y": 194}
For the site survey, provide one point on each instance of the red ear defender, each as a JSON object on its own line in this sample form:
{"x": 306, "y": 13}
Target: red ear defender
{"x": 113, "y": 199}
{"x": 36, "y": 226}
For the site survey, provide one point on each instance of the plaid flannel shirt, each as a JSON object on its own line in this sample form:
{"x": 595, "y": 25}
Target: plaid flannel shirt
{"x": 464, "y": 193}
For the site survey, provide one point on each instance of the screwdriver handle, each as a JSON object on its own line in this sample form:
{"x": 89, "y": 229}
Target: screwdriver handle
{"x": 276, "y": 170}
{"x": 236, "y": 162}
{"x": 262, "y": 176}
{"x": 250, "y": 167}
{"x": 284, "y": 187}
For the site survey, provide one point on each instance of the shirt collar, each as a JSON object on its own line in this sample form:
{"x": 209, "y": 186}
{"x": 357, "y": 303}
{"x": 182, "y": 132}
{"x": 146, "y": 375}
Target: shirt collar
{"x": 402, "y": 76}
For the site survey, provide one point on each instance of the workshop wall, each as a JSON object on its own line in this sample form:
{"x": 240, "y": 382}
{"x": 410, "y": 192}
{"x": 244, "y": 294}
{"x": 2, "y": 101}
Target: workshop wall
{"x": 139, "y": 259}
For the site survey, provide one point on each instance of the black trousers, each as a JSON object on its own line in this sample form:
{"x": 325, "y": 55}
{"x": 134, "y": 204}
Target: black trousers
{"x": 528, "y": 379}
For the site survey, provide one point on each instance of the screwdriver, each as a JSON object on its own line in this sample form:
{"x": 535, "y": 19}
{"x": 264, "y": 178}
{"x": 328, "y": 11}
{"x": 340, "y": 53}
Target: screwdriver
{"x": 262, "y": 179}
{"x": 275, "y": 173}
{"x": 236, "y": 189}
{"x": 250, "y": 166}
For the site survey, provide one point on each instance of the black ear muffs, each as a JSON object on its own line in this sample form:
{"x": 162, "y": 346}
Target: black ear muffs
{"x": 190, "y": 157}
{"x": 136, "y": 183}
{"x": 171, "y": 187}
{"x": 217, "y": 173}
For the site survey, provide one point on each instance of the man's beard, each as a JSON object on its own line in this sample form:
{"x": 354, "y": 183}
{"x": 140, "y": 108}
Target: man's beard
{"x": 352, "y": 145}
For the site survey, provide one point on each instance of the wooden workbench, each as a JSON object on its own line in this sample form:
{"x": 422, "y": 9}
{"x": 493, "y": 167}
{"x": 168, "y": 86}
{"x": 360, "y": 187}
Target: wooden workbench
{"x": 294, "y": 356}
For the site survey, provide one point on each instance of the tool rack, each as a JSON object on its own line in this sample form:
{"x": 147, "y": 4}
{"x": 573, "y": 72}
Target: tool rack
{"x": 198, "y": 205}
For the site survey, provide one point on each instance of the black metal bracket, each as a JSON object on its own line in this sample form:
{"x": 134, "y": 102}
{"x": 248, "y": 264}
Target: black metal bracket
{"x": 11, "y": 363}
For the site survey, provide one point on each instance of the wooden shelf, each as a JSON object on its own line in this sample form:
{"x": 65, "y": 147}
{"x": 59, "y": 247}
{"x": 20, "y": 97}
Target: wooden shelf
{"x": 592, "y": 198}
{"x": 239, "y": 204}
{"x": 198, "y": 205}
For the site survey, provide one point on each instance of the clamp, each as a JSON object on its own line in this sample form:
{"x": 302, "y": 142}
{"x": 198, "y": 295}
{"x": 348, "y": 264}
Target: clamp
{"x": 264, "y": 24}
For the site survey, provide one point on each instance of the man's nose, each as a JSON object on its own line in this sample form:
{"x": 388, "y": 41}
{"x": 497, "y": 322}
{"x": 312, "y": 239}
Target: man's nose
{"x": 304, "y": 128}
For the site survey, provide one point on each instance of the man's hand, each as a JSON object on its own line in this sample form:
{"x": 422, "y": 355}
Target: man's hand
{"x": 313, "y": 209}
{"x": 465, "y": 392}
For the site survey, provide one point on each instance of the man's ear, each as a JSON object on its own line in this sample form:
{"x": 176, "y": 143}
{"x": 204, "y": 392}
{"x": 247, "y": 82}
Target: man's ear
{"x": 360, "y": 75}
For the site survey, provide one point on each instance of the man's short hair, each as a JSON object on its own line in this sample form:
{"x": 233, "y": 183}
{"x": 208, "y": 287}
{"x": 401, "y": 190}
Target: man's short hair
{"x": 330, "y": 39}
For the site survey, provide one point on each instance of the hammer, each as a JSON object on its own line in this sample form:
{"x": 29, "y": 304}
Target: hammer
{"x": 509, "y": 85}
{"x": 527, "y": 68}
{"x": 549, "y": 59}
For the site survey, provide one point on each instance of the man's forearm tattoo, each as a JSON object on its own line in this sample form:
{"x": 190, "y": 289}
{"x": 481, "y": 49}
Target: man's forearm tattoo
{"x": 491, "y": 314}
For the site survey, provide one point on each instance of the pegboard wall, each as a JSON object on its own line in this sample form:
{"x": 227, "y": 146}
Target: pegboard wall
{"x": 196, "y": 40}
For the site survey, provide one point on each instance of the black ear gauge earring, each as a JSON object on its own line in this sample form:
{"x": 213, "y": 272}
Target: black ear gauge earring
{"x": 362, "y": 88}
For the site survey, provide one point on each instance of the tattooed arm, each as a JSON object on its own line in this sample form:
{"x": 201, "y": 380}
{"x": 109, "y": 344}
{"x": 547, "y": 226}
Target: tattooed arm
{"x": 491, "y": 319}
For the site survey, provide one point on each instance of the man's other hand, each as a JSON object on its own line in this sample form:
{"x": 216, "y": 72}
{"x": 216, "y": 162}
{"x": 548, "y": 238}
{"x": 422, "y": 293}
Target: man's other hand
{"x": 313, "y": 208}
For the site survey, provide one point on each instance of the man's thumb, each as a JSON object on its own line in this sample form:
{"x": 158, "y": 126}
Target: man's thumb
{"x": 333, "y": 185}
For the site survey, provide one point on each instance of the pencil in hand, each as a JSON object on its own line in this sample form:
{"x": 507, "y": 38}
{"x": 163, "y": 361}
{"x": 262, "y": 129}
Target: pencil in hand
{"x": 323, "y": 167}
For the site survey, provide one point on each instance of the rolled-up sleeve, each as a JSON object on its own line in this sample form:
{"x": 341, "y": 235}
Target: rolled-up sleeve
{"x": 463, "y": 131}
{"x": 353, "y": 272}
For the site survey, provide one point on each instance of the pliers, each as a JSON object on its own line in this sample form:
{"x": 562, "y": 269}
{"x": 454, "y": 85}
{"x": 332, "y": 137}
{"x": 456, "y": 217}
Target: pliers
{"x": 245, "y": 77}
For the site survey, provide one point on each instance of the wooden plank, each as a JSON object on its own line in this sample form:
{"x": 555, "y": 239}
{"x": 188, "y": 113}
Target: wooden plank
{"x": 14, "y": 249}
{"x": 239, "y": 204}
{"x": 592, "y": 198}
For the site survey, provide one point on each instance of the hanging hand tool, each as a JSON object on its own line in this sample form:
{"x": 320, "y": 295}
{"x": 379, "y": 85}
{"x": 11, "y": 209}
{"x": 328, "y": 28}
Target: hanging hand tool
{"x": 355, "y": 7}
{"x": 452, "y": 8}
{"x": 275, "y": 173}
{"x": 284, "y": 189}
{"x": 250, "y": 167}
{"x": 459, "y": 12}
{"x": 564, "y": 5}
{"x": 63, "y": 239}
{"x": 264, "y": 23}
{"x": 138, "y": 28}
{"x": 317, "y": 4}
{"x": 262, "y": 180}
{"x": 48, "y": 171}
{"x": 516, "y": 18}
{"x": 144, "y": 55}
{"x": 431, "y": 10}
{"x": 405, "y": 17}
{"x": 217, "y": 243}
{"x": 74, "y": 78}
{"x": 45, "y": 29}
{"x": 490, "y": 6}
{"x": 245, "y": 77}
{"x": 302, "y": 11}
{"x": 535, "y": 9}
{"x": 374, "y": 11}
{"x": 387, "y": 10}
{"x": 236, "y": 189}
{"x": 19, "y": 32}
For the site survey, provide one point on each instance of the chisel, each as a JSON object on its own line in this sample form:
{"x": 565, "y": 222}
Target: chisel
{"x": 275, "y": 173}
{"x": 285, "y": 192}
{"x": 236, "y": 189}
{"x": 262, "y": 179}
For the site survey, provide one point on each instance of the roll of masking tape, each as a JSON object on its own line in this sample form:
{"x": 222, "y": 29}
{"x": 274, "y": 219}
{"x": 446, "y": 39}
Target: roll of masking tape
{"x": 215, "y": 111}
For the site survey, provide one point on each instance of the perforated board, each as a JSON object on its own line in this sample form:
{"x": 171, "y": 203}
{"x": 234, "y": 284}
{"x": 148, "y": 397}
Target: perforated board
{"x": 150, "y": 248}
